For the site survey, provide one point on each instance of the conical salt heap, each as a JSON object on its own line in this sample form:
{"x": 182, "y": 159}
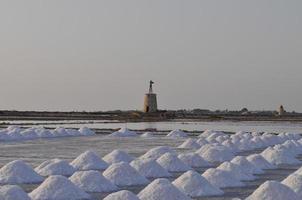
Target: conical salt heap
{"x": 150, "y": 168}
{"x": 272, "y": 190}
{"x": 123, "y": 132}
{"x": 55, "y": 167}
{"x": 89, "y": 161}
{"x": 58, "y": 188}
{"x": 117, "y": 156}
{"x": 157, "y": 152}
{"x": 86, "y": 131}
{"x": 177, "y": 134}
{"x": 122, "y": 195}
{"x": 172, "y": 163}
{"x": 162, "y": 189}
{"x": 195, "y": 185}
{"x": 258, "y": 161}
{"x": 221, "y": 179}
{"x": 13, "y": 192}
{"x": 294, "y": 182}
{"x": 237, "y": 171}
{"x": 217, "y": 154}
{"x": 278, "y": 157}
{"x": 189, "y": 144}
{"x": 18, "y": 172}
{"x": 193, "y": 160}
{"x": 92, "y": 181}
{"x": 122, "y": 174}
{"x": 246, "y": 165}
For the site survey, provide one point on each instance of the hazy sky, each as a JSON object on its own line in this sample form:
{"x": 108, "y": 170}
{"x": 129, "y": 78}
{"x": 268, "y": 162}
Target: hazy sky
{"x": 100, "y": 55}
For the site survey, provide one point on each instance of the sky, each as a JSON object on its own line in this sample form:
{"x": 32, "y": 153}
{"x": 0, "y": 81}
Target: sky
{"x": 93, "y": 55}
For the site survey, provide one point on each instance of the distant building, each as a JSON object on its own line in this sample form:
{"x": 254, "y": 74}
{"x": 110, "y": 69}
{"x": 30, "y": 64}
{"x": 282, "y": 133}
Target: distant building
{"x": 150, "y": 100}
{"x": 281, "y": 110}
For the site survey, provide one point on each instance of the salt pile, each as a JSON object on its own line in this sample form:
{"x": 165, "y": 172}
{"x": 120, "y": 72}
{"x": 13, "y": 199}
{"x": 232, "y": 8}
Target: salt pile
{"x": 149, "y": 168}
{"x": 221, "y": 179}
{"x": 118, "y": 156}
{"x": 29, "y": 134}
{"x": 123, "y": 132}
{"x": 122, "y": 174}
{"x": 92, "y": 181}
{"x": 86, "y": 131}
{"x": 55, "y": 167}
{"x": 89, "y": 161}
{"x": 193, "y": 160}
{"x": 60, "y": 132}
{"x": 14, "y": 135}
{"x": 147, "y": 134}
{"x": 58, "y": 188}
{"x": 157, "y": 152}
{"x": 172, "y": 163}
{"x": 177, "y": 134}
{"x": 246, "y": 165}
{"x": 18, "y": 172}
{"x": 237, "y": 171}
{"x": 294, "y": 181}
{"x": 217, "y": 154}
{"x": 278, "y": 157}
{"x": 122, "y": 195}
{"x": 206, "y": 133}
{"x": 43, "y": 133}
{"x": 272, "y": 190}
{"x": 13, "y": 192}
{"x": 258, "y": 161}
{"x": 202, "y": 141}
{"x": 162, "y": 189}
{"x": 189, "y": 144}
{"x": 195, "y": 185}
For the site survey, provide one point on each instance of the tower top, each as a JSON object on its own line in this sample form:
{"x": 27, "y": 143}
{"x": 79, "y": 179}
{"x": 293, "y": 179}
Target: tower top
{"x": 151, "y": 86}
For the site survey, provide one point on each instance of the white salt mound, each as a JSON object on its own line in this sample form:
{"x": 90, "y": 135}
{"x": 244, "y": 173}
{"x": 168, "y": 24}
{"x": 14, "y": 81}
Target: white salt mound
{"x": 13, "y": 192}
{"x": 258, "y": 161}
{"x": 221, "y": 179}
{"x": 272, "y": 190}
{"x": 86, "y": 131}
{"x": 147, "y": 134}
{"x": 58, "y": 188}
{"x": 157, "y": 152}
{"x": 117, "y": 156}
{"x": 122, "y": 174}
{"x": 237, "y": 171}
{"x": 122, "y": 195}
{"x": 92, "y": 181}
{"x": 278, "y": 157}
{"x": 246, "y": 165}
{"x": 55, "y": 167}
{"x": 89, "y": 161}
{"x": 162, "y": 189}
{"x": 193, "y": 160}
{"x": 217, "y": 154}
{"x": 150, "y": 168}
{"x": 195, "y": 185}
{"x": 189, "y": 144}
{"x": 123, "y": 132}
{"x": 172, "y": 163}
{"x": 294, "y": 181}
{"x": 177, "y": 134}
{"x": 18, "y": 172}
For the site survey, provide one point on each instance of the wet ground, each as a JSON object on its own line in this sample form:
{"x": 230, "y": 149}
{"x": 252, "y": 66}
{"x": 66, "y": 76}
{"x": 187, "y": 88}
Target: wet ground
{"x": 36, "y": 151}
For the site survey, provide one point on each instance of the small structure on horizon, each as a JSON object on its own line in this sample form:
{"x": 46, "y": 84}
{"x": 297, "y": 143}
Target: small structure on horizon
{"x": 281, "y": 110}
{"x": 150, "y": 100}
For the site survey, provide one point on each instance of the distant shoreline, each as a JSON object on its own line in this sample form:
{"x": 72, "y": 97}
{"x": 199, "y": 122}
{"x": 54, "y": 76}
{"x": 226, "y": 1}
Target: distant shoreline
{"x": 137, "y": 116}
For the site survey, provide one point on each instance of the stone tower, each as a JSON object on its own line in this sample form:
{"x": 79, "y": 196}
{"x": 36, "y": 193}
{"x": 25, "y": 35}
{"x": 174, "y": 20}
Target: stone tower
{"x": 281, "y": 110}
{"x": 150, "y": 101}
